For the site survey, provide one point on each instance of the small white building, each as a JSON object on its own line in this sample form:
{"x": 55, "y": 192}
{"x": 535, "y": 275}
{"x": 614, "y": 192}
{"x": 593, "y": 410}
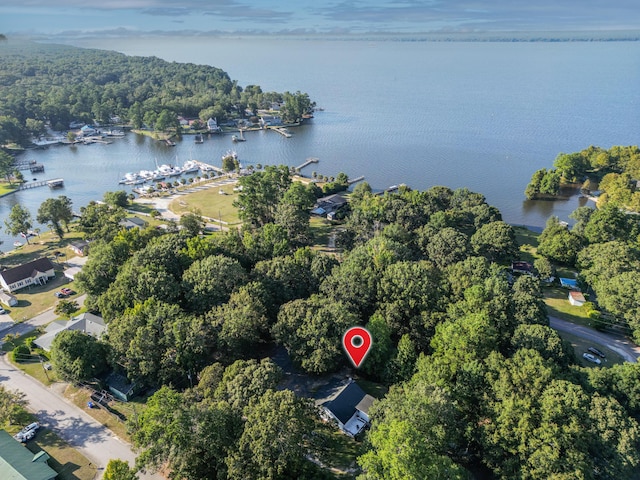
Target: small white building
{"x": 8, "y": 299}
{"x": 350, "y": 409}
{"x": 576, "y": 298}
{"x": 36, "y": 272}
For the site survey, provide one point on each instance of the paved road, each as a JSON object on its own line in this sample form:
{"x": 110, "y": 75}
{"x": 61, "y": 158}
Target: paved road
{"x": 619, "y": 344}
{"x": 93, "y": 440}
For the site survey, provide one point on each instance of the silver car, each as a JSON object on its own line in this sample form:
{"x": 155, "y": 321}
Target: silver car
{"x": 591, "y": 358}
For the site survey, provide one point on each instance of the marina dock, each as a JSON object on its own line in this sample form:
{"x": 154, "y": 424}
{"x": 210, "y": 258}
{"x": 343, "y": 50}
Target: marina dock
{"x": 205, "y": 167}
{"x": 309, "y": 161}
{"x": 29, "y": 165}
{"x": 51, "y": 183}
{"x": 281, "y": 131}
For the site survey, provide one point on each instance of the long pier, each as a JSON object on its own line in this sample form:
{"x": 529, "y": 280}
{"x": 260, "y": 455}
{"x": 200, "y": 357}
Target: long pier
{"x": 309, "y": 161}
{"x": 41, "y": 183}
{"x": 281, "y": 131}
{"x": 355, "y": 180}
{"x": 205, "y": 167}
{"x": 28, "y": 165}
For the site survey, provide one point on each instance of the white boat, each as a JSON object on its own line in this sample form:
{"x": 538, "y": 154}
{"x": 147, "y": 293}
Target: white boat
{"x": 230, "y": 153}
{"x": 240, "y": 138}
{"x": 128, "y": 177}
{"x": 114, "y": 133}
{"x": 190, "y": 166}
{"x": 169, "y": 171}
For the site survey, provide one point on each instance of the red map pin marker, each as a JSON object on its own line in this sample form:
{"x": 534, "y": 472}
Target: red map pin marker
{"x": 356, "y": 342}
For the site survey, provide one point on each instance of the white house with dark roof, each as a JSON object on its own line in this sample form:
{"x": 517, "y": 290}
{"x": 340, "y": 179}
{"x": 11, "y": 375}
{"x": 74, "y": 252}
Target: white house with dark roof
{"x": 349, "y": 408}
{"x": 36, "y": 272}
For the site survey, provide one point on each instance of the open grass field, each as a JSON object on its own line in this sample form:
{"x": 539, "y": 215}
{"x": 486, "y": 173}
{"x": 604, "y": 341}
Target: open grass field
{"x": 528, "y": 242}
{"x": 67, "y": 461}
{"x": 209, "y": 203}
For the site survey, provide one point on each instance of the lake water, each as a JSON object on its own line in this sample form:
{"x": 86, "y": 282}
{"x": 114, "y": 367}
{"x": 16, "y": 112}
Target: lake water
{"x": 482, "y": 115}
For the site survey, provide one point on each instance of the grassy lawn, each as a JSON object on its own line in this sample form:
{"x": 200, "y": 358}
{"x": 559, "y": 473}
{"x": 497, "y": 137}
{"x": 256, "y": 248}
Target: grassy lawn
{"x": 338, "y": 452}
{"x": 6, "y": 188}
{"x": 67, "y": 461}
{"x": 210, "y": 203}
{"x": 41, "y": 246}
{"x": 320, "y": 228}
{"x": 33, "y": 367}
{"x": 581, "y": 345}
{"x": 111, "y": 420}
{"x": 142, "y": 208}
{"x": 558, "y": 306}
{"x": 528, "y": 242}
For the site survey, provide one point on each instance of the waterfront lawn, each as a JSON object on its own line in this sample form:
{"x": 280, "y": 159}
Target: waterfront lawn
{"x": 66, "y": 460}
{"x": 209, "y": 203}
{"x": 7, "y": 188}
{"x": 321, "y": 230}
{"x": 580, "y": 346}
{"x": 41, "y": 246}
{"x": 528, "y": 241}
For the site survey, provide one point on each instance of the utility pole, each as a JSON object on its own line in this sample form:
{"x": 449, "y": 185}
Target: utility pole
{"x": 45, "y": 370}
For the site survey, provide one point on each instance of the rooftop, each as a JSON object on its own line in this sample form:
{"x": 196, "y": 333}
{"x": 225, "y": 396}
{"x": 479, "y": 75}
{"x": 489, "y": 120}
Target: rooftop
{"x": 18, "y": 463}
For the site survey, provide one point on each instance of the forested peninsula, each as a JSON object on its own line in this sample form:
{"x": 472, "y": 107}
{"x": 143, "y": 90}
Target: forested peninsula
{"x": 43, "y": 85}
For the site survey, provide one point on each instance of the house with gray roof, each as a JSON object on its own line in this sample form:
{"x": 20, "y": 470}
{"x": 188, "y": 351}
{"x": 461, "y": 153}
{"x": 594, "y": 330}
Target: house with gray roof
{"x": 87, "y": 323}
{"x": 36, "y": 272}
{"x": 349, "y": 408}
{"x": 18, "y": 463}
{"x": 133, "y": 222}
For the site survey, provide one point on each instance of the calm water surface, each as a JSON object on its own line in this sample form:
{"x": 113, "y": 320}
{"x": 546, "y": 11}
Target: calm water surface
{"x": 480, "y": 115}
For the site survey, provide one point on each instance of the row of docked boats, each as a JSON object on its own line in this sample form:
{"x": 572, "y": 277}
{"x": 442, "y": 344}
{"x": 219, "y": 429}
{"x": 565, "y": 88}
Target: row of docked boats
{"x": 160, "y": 173}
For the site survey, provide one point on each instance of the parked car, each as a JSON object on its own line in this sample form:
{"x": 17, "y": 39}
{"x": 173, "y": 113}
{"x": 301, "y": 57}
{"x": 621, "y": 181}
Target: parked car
{"x": 60, "y": 295}
{"x": 67, "y": 291}
{"x": 27, "y": 433}
{"x": 597, "y": 352}
{"x": 591, "y": 358}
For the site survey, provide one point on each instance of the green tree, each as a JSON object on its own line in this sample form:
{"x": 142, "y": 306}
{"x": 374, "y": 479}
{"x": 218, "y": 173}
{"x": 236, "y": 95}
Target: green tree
{"x": 400, "y": 452}
{"x": 192, "y": 224}
{"x": 209, "y": 282}
{"x": 6, "y": 162}
{"x": 116, "y": 199}
{"x": 19, "y": 222}
{"x": 261, "y": 192}
{"x": 312, "y": 331}
{"x": 119, "y": 470}
{"x": 276, "y": 415}
{"x": 13, "y": 405}
{"x": 77, "y": 356}
{"x": 56, "y": 212}
{"x": 496, "y": 241}
{"x": 447, "y": 246}
{"x": 66, "y": 308}
{"x": 245, "y": 381}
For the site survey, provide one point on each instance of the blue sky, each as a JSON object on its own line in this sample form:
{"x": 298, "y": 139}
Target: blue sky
{"x": 78, "y": 18}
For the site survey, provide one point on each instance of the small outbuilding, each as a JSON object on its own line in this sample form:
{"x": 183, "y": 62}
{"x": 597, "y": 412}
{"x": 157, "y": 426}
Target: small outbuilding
{"x": 121, "y": 388}
{"x": 8, "y": 299}
{"x": 80, "y": 247}
{"x": 576, "y": 298}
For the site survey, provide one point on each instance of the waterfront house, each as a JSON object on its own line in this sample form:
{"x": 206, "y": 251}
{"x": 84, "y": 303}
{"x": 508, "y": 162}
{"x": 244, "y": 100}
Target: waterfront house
{"x": 87, "y": 323}
{"x": 212, "y": 125}
{"x": 349, "y": 408}
{"x": 270, "y": 120}
{"x": 36, "y": 272}
{"x": 88, "y": 131}
{"x": 18, "y": 462}
{"x": 80, "y": 247}
{"x": 133, "y": 222}
{"x": 576, "y": 298}
{"x": 328, "y": 204}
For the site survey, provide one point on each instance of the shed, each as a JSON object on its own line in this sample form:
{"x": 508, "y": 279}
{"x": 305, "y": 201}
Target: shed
{"x": 18, "y": 463}
{"x": 121, "y": 387}
{"x": 8, "y": 299}
{"x": 576, "y": 298}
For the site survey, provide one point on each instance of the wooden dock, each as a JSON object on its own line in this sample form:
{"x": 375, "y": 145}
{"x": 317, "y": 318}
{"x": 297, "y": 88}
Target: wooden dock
{"x": 281, "y": 131}
{"x": 52, "y": 182}
{"x": 355, "y": 180}
{"x": 205, "y": 167}
{"x": 309, "y": 161}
